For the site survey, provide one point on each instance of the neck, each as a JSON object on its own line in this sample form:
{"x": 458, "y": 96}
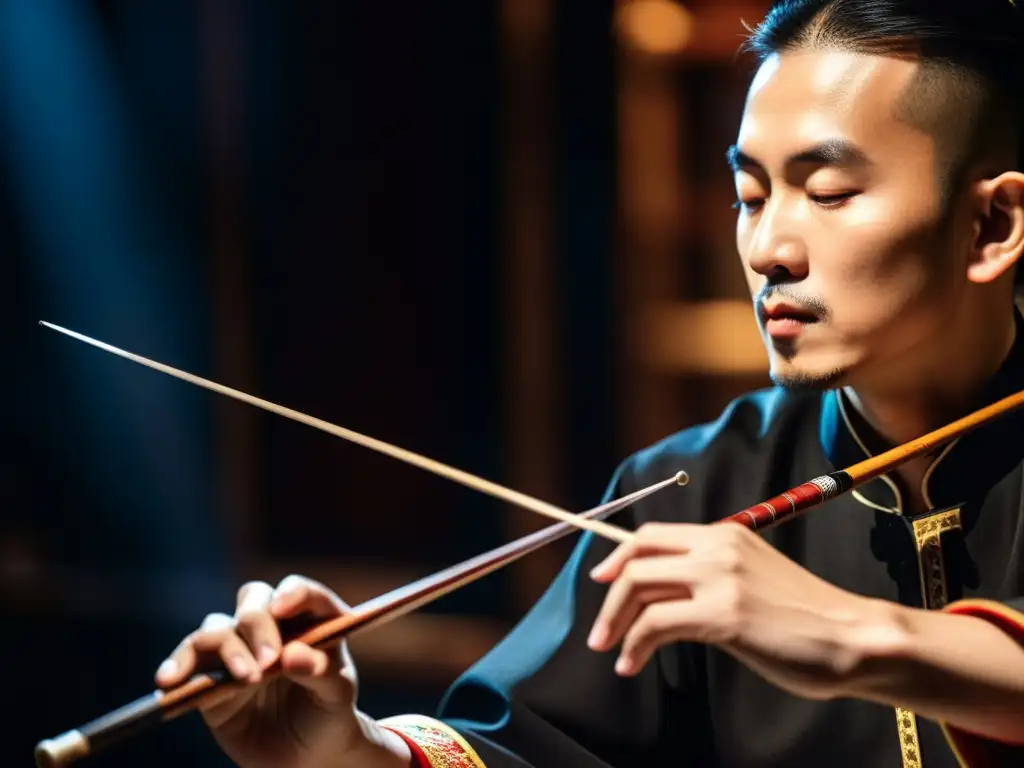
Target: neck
{"x": 900, "y": 413}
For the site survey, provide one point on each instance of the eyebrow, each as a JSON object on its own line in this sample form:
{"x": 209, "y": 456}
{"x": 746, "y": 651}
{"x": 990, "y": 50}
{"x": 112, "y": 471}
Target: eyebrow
{"x": 835, "y": 152}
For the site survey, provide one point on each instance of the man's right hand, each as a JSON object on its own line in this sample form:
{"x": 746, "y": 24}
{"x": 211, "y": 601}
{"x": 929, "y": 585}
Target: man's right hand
{"x": 301, "y": 717}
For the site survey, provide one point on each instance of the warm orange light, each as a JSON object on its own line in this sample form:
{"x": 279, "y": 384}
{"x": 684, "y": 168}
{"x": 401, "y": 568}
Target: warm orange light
{"x": 655, "y": 26}
{"x": 710, "y": 337}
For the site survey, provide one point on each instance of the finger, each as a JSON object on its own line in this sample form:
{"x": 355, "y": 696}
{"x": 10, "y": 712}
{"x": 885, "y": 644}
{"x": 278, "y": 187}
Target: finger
{"x": 609, "y": 568}
{"x": 658, "y": 625}
{"x": 255, "y": 624}
{"x": 319, "y": 672}
{"x": 297, "y": 595}
{"x": 218, "y": 639}
{"x": 604, "y": 637}
{"x": 652, "y": 538}
{"x": 183, "y": 661}
{"x": 641, "y": 581}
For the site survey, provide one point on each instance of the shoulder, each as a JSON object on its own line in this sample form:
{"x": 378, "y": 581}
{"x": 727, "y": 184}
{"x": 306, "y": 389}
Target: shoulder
{"x": 748, "y": 447}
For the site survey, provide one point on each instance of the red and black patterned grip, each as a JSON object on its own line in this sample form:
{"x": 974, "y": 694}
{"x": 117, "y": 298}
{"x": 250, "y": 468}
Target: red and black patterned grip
{"x": 792, "y": 502}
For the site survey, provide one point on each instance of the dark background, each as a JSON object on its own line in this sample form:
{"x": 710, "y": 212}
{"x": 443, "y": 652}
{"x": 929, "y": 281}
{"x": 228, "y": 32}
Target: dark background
{"x": 428, "y": 222}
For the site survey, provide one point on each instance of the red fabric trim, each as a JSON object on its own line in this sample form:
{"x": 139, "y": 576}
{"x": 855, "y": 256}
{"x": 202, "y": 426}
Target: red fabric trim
{"x": 976, "y": 751}
{"x": 1007, "y": 619}
{"x": 419, "y": 759}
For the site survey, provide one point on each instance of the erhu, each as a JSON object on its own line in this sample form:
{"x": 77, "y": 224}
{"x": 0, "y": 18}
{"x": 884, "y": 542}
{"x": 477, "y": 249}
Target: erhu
{"x": 160, "y": 706}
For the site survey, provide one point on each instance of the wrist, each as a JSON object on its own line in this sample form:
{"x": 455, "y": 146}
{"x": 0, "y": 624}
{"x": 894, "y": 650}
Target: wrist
{"x": 374, "y": 746}
{"x": 876, "y": 642}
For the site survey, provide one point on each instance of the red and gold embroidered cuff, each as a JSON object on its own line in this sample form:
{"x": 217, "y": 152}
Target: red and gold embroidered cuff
{"x": 433, "y": 744}
{"x": 973, "y": 751}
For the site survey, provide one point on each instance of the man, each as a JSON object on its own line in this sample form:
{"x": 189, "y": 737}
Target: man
{"x": 880, "y": 222}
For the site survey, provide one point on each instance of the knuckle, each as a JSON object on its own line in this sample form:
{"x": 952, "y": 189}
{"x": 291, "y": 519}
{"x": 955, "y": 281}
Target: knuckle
{"x": 731, "y": 560}
{"x": 630, "y": 571}
{"x": 248, "y": 588}
{"x": 293, "y": 582}
{"x": 215, "y": 628}
{"x": 205, "y": 640}
{"x": 737, "y": 535}
{"x": 630, "y": 580}
{"x": 251, "y": 619}
{"x": 658, "y": 620}
{"x": 215, "y": 621}
{"x": 649, "y": 626}
{"x": 731, "y": 607}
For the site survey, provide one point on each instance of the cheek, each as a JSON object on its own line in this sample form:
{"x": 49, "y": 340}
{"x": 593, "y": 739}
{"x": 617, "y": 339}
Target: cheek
{"x": 889, "y": 263}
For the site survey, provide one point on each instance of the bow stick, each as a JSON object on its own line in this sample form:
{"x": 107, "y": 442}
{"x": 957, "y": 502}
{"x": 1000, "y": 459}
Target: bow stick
{"x": 161, "y": 706}
{"x": 457, "y": 475}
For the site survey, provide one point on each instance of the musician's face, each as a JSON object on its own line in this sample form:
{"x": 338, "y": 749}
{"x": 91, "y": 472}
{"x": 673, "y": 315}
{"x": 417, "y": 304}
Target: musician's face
{"x": 842, "y": 217}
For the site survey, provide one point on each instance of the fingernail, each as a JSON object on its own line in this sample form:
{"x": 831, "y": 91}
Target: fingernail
{"x": 266, "y": 655}
{"x": 239, "y": 666}
{"x": 623, "y": 665}
{"x": 597, "y": 635}
{"x": 599, "y": 571}
{"x": 167, "y": 668}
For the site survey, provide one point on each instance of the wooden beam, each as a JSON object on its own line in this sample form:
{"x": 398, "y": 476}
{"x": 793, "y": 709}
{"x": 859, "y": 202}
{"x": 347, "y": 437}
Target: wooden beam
{"x": 222, "y": 32}
{"x": 532, "y": 375}
{"x": 651, "y": 128}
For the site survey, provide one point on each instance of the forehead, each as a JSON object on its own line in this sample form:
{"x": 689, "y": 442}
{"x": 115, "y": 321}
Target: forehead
{"x": 802, "y": 97}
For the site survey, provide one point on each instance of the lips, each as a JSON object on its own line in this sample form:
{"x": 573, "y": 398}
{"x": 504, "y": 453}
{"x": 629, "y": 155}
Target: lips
{"x": 785, "y": 323}
{"x": 787, "y": 312}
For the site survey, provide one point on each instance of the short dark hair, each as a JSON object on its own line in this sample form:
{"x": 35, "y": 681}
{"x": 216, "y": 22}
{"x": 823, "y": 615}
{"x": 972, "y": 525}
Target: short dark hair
{"x": 969, "y": 90}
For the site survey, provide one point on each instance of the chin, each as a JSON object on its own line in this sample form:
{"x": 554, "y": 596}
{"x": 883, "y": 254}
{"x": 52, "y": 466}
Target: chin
{"x": 814, "y": 364}
{"x": 805, "y": 378}
{"x": 806, "y": 381}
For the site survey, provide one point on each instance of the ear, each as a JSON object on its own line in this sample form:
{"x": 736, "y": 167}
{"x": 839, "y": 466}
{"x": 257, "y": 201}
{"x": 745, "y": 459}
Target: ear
{"x": 999, "y": 228}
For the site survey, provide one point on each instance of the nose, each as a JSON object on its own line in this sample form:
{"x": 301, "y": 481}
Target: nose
{"x": 776, "y": 251}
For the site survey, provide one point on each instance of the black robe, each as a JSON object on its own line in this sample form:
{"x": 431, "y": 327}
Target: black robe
{"x": 542, "y": 698}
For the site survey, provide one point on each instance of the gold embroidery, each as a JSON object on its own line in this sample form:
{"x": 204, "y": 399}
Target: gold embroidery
{"x": 928, "y": 530}
{"x": 443, "y": 745}
{"x": 910, "y": 747}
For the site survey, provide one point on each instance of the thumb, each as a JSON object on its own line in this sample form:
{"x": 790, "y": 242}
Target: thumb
{"x": 328, "y": 678}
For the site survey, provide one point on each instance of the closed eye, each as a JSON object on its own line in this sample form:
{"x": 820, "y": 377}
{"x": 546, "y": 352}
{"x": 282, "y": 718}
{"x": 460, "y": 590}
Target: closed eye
{"x": 832, "y": 201}
{"x": 748, "y": 204}
{"x": 825, "y": 201}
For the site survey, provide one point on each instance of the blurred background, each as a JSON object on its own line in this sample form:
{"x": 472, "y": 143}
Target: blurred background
{"x": 496, "y": 232}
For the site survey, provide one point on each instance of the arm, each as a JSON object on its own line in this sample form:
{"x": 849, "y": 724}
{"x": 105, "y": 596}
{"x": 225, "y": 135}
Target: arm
{"x": 963, "y": 667}
{"x": 725, "y": 586}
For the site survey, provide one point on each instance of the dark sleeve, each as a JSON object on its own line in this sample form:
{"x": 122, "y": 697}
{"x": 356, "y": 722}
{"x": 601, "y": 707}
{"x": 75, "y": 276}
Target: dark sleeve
{"x": 541, "y": 697}
{"x": 972, "y": 750}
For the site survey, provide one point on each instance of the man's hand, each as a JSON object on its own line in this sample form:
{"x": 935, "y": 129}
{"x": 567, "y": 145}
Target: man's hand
{"x": 724, "y": 585}
{"x": 303, "y": 717}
